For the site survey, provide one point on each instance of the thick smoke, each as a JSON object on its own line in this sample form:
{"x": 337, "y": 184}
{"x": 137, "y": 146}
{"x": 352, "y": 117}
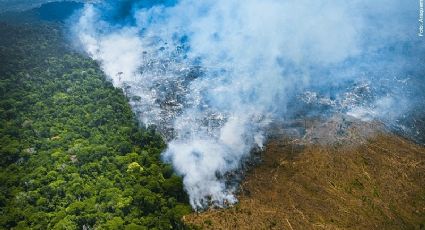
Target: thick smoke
{"x": 213, "y": 75}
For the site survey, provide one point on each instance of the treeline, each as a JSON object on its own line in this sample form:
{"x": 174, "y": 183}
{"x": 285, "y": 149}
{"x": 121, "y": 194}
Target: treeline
{"x": 72, "y": 155}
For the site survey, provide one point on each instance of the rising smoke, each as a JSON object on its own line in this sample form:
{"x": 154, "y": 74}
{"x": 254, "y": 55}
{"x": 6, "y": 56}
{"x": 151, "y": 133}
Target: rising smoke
{"x": 213, "y": 75}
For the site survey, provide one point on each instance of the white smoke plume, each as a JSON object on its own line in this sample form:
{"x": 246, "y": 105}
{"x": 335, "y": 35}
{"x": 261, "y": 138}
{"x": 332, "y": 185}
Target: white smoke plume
{"x": 212, "y": 75}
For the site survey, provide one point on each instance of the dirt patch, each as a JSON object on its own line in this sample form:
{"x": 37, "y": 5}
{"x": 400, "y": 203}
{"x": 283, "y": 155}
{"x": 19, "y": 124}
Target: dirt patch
{"x": 377, "y": 184}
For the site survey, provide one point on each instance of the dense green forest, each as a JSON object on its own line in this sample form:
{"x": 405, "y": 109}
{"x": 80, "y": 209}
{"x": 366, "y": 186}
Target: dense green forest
{"x": 72, "y": 154}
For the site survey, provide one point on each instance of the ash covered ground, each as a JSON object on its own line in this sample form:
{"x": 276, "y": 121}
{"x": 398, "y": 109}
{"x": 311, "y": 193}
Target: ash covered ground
{"x": 166, "y": 92}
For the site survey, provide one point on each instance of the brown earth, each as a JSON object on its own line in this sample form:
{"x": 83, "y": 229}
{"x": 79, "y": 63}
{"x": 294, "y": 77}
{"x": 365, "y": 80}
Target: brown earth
{"x": 378, "y": 183}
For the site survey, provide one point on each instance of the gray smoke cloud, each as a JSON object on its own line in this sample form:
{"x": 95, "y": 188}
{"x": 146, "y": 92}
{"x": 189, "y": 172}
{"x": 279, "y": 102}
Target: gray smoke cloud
{"x": 213, "y": 75}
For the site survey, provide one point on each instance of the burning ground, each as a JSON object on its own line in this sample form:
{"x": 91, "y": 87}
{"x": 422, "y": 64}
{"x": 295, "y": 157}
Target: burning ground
{"x": 214, "y": 76}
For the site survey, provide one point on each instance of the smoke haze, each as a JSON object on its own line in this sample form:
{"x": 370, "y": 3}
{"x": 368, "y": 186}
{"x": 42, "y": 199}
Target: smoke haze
{"x": 213, "y": 75}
